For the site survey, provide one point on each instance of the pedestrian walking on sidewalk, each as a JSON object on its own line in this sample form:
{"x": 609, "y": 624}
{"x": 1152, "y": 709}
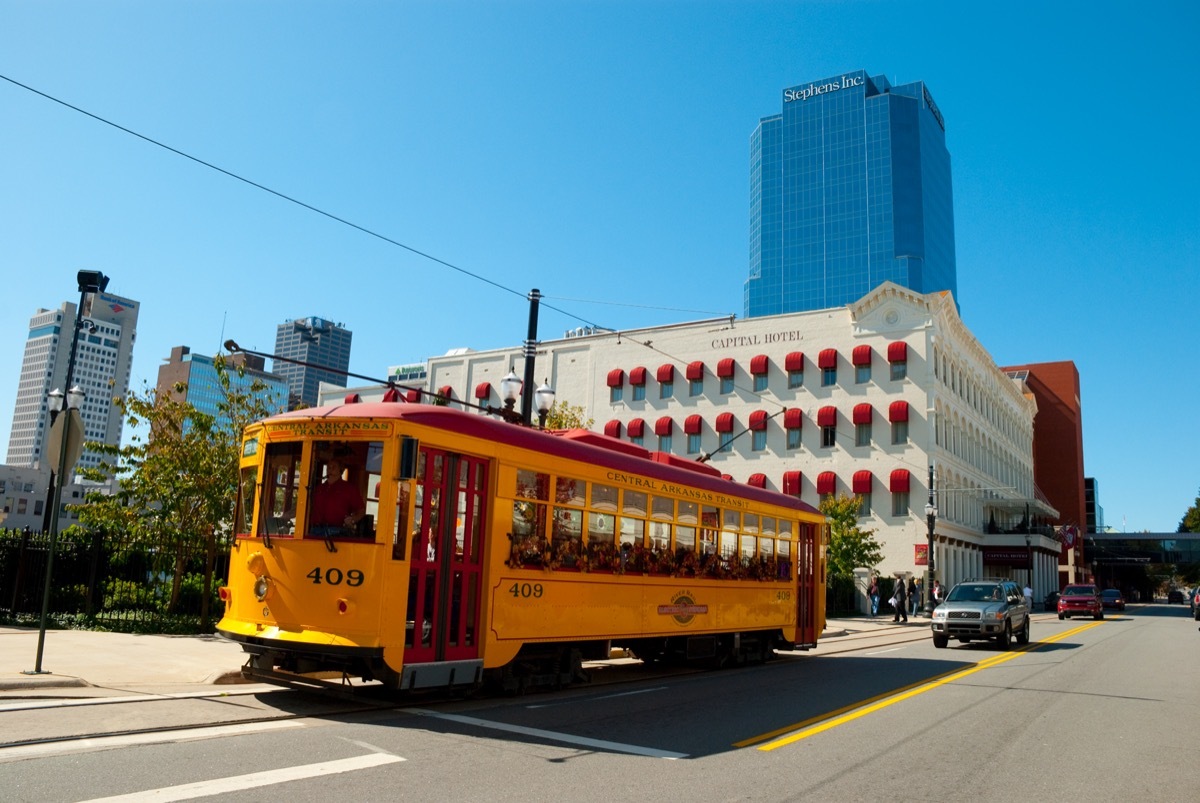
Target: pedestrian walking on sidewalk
{"x": 913, "y": 595}
{"x": 873, "y": 596}
{"x": 900, "y": 601}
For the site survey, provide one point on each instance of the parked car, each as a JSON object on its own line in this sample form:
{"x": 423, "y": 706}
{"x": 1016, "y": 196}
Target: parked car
{"x": 982, "y": 609}
{"x": 1111, "y": 598}
{"x": 1078, "y": 600}
{"x": 1050, "y": 603}
{"x": 1174, "y": 596}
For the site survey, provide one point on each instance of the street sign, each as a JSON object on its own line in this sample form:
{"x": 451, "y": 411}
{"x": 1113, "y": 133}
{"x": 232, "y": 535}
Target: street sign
{"x": 74, "y": 440}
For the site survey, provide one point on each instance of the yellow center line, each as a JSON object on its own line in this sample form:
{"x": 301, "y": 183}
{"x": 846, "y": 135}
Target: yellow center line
{"x": 849, "y": 713}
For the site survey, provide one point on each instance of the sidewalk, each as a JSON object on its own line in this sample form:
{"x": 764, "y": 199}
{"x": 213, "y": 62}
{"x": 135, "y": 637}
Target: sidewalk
{"x": 82, "y": 658}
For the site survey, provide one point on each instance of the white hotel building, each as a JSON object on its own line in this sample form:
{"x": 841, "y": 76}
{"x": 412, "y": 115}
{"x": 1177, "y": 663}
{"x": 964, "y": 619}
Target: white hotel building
{"x": 860, "y": 399}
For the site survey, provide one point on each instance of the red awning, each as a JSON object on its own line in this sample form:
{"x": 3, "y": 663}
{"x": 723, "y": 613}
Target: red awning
{"x": 861, "y": 355}
{"x": 637, "y": 376}
{"x": 793, "y": 417}
{"x": 725, "y": 368}
{"x": 724, "y": 422}
{"x": 695, "y": 370}
{"x": 664, "y": 425}
{"x": 862, "y": 482}
{"x": 352, "y": 398}
{"x": 391, "y": 395}
{"x": 616, "y": 378}
{"x": 757, "y": 480}
{"x": 827, "y": 358}
{"x": 898, "y": 352}
{"x": 794, "y": 361}
{"x": 692, "y": 424}
{"x": 898, "y": 411}
{"x": 483, "y": 390}
{"x": 412, "y": 396}
{"x": 446, "y": 392}
{"x": 898, "y": 482}
{"x": 666, "y": 373}
{"x": 758, "y": 419}
{"x": 826, "y": 482}
{"x": 613, "y": 429}
{"x": 636, "y": 428}
{"x": 863, "y": 413}
{"x": 791, "y": 482}
{"x": 827, "y": 417}
{"x": 759, "y": 364}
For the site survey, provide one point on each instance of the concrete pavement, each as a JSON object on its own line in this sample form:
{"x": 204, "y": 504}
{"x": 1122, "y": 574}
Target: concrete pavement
{"x": 83, "y": 659}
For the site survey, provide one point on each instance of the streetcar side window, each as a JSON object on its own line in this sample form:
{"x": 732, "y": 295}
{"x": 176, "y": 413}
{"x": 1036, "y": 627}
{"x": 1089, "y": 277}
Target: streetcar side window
{"x": 247, "y": 496}
{"x": 529, "y": 518}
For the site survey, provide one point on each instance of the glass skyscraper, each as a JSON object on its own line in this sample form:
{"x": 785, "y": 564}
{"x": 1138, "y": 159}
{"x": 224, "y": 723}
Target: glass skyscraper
{"x": 849, "y": 187}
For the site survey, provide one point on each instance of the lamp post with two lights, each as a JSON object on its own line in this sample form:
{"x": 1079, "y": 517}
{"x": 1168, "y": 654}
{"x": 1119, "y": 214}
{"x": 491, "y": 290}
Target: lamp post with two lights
{"x": 930, "y": 569}
{"x": 66, "y": 433}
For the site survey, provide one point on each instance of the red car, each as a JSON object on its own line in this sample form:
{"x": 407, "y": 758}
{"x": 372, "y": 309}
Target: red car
{"x": 1083, "y": 600}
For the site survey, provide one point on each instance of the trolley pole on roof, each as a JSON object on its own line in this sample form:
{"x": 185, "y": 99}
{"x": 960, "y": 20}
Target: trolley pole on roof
{"x": 530, "y": 356}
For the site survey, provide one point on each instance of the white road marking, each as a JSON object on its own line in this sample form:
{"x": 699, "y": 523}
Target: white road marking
{"x": 566, "y": 738}
{"x": 595, "y": 699}
{"x": 239, "y": 783}
{"x": 127, "y": 740}
{"x": 881, "y": 652}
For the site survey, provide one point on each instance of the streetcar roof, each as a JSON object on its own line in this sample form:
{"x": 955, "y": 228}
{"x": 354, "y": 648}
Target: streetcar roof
{"x": 584, "y": 446}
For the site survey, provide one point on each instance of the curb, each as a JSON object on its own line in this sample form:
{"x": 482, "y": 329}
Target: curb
{"x": 25, "y": 684}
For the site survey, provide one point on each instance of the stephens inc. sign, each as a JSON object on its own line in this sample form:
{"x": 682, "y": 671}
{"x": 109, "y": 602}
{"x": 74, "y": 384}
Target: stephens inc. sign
{"x": 812, "y": 90}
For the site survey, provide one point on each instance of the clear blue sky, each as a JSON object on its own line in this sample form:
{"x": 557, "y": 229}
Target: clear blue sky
{"x": 599, "y": 151}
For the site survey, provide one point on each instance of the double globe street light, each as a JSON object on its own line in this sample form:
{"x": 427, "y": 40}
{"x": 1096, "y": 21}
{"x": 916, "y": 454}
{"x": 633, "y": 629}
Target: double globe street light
{"x": 66, "y": 435}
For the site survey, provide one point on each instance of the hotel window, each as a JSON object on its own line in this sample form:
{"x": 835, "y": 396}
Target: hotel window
{"x": 726, "y": 439}
{"x": 666, "y": 381}
{"x": 760, "y": 383}
{"x": 899, "y": 371}
{"x": 725, "y": 371}
{"x": 637, "y": 378}
{"x": 828, "y": 436}
{"x": 795, "y": 379}
{"x": 828, "y": 377}
{"x": 695, "y": 378}
{"x": 864, "y": 509}
{"x": 899, "y": 432}
{"x": 899, "y": 503}
{"x": 827, "y": 362}
{"x": 693, "y": 443}
{"x": 898, "y": 360}
{"x": 726, "y": 385}
{"x": 616, "y": 393}
{"x": 862, "y": 374}
{"x": 793, "y": 438}
{"x": 664, "y": 443}
{"x": 639, "y": 392}
{"x": 758, "y": 440}
{"x": 695, "y": 387}
{"x": 759, "y": 368}
{"x": 862, "y": 434}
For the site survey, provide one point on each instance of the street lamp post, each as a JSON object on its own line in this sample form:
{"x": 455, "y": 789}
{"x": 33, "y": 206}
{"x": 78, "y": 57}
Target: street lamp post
{"x": 543, "y": 399}
{"x": 89, "y": 281}
{"x": 1029, "y": 559}
{"x": 931, "y": 567}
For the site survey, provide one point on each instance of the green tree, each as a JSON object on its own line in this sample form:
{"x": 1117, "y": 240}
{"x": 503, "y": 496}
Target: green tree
{"x": 850, "y": 546}
{"x": 564, "y": 415}
{"x": 1190, "y": 523}
{"x": 176, "y": 480}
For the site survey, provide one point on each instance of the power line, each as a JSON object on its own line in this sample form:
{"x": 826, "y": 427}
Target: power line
{"x": 290, "y": 199}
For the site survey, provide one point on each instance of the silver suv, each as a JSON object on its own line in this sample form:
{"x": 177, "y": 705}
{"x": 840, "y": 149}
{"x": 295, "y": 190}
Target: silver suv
{"x": 982, "y": 609}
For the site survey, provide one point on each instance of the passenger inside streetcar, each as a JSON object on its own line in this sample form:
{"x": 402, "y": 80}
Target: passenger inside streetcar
{"x": 337, "y": 504}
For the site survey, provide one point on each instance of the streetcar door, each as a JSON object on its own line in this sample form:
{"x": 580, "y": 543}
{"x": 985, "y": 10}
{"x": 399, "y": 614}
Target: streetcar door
{"x": 806, "y": 564}
{"x": 446, "y": 562}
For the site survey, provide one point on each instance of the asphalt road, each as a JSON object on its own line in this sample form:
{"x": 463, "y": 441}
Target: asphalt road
{"x": 1092, "y": 711}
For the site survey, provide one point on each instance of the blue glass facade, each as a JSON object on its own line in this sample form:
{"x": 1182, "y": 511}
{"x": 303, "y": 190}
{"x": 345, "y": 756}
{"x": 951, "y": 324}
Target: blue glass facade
{"x": 849, "y": 187}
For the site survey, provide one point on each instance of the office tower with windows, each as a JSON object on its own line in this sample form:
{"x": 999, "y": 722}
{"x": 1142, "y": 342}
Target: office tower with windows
{"x": 320, "y": 343}
{"x": 201, "y": 387}
{"x": 103, "y": 361}
{"x": 849, "y": 187}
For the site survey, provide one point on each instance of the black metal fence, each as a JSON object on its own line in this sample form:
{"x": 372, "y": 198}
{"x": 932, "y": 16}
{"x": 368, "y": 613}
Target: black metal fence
{"x": 111, "y": 582}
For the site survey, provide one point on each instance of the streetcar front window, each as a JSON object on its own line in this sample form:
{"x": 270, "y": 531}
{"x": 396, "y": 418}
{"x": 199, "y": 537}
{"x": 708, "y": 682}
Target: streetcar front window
{"x": 343, "y": 491}
{"x": 247, "y": 496}
{"x": 281, "y": 489}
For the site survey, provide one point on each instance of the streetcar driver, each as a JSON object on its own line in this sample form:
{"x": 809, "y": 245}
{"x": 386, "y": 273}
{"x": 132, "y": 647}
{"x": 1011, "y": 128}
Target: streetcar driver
{"x": 337, "y": 506}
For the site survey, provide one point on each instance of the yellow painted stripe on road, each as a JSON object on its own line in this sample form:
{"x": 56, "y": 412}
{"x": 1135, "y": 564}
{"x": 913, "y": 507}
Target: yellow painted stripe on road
{"x": 849, "y": 713}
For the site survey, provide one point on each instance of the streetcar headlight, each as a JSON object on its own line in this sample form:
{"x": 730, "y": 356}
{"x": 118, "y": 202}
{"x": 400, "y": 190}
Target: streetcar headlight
{"x": 262, "y": 587}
